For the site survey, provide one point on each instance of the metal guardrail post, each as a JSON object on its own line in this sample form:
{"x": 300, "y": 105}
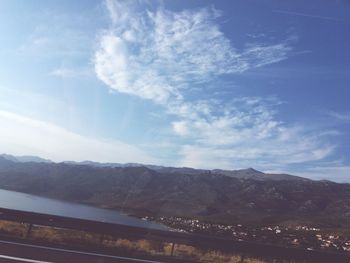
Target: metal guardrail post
{"x": 28, "y": 230}
{"x": 102, "y": 237}
{"x": 172, "y": 249}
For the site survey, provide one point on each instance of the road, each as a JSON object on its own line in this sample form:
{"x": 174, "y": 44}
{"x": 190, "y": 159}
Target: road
{"x": 11, "y": 252}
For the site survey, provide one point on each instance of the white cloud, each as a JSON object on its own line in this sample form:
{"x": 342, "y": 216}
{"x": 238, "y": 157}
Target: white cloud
{"x": 157, "y": 54}
{"x": 115, "y": 66}
{"x": 180, "y": 127}
{"x": 160, "y": 55}
{"x": 248, "y": 152}
{"x": 20, "y": 135}
{"x": 245, "y": 133}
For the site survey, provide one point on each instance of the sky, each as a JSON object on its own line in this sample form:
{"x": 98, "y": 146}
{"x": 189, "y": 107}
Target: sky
{"x": 203, "y": 84}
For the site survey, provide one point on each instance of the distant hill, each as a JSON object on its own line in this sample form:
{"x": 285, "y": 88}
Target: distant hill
{"x": 243, "y": 196}
{"x": 249, "y": 173}
{"x": 25, "y": 158}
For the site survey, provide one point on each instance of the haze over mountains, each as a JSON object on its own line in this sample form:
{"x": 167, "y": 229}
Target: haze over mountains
{"x": 242, "y": 196}
{"x": 248, "y": 173}
{"x": 25, "y": 158}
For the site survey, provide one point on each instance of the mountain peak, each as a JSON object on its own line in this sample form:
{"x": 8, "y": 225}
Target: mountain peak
{"x": 250, "y": 170}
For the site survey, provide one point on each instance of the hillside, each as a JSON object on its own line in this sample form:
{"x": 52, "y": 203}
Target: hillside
{"x": 247, "y": 196}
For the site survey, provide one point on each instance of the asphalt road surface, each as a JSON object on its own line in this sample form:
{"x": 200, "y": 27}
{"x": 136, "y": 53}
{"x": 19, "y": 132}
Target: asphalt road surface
{"x": 11, "y": 252}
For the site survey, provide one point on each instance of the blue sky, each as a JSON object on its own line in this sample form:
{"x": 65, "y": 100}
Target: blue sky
{"x": 205, "y": 84}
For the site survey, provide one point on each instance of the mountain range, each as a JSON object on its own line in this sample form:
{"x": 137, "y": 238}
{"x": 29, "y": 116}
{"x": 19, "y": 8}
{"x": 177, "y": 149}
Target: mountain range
{"x": 238, "y": 196}
{"x": 248, "y": 173}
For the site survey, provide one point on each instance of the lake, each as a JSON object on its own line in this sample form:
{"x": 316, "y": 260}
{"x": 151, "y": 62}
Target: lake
{"x": 32, "y": 203}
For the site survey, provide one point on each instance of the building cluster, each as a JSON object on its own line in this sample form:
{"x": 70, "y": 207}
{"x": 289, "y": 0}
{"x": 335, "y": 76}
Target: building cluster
{"x": 306, "y": 237}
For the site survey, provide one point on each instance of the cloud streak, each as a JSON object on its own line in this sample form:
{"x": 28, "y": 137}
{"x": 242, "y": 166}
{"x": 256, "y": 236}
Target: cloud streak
{"x": 246, "y": 133}
{"x": 160, "y": 55}
{"x": 67, "y": 73}
{"x": 21, "y": 135}
{"x": 306, "y": 15}
{"x": 339, "y": 116}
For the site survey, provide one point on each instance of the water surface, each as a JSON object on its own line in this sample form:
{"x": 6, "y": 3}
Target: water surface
{"x": 32, "y": 203}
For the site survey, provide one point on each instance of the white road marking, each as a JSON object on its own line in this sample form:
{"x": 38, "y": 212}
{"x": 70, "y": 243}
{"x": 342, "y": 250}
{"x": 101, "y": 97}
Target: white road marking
{"x": 24, "y": 259}
{"x": 78, "y": 252}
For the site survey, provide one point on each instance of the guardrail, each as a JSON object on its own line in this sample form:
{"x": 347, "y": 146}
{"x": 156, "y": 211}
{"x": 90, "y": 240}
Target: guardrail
{"x": 205, "y": 242}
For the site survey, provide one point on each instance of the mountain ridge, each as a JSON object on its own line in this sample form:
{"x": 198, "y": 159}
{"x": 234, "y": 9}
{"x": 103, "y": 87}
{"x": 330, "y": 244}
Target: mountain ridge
{"x": 213, "y": 197}
{"x": 240, "y": 173}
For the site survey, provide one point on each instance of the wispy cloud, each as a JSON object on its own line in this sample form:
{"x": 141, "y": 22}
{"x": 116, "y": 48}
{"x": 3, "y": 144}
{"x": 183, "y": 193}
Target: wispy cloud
{"x": 57, "y": 35}
{"x": 21, "y": 135}
{"x": 160, "y": 55}
{"x": 53, "y": 41}
{"x": 67, "y": 73}
{"x": 291, "y": 13}
{"x": 247, "y": 133}
{"x": 339, "y": 116}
